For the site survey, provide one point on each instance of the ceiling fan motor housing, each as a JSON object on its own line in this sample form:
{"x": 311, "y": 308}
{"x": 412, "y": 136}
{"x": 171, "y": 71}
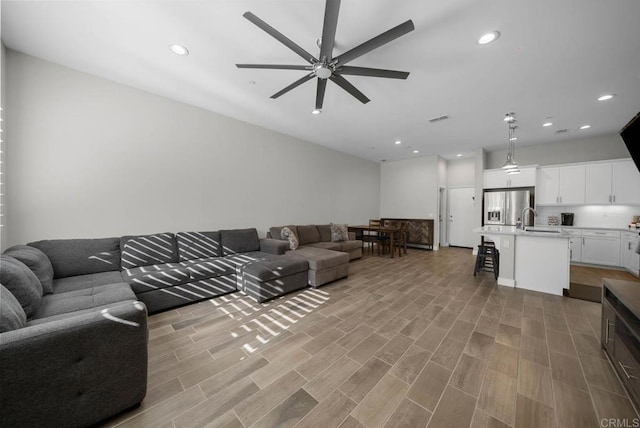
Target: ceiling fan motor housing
{"x": 323, "y": 71}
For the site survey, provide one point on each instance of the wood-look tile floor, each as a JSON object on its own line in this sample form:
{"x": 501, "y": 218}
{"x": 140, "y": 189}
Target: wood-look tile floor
{"x": 588, "y": 275}
{"x": 415, "y": 341}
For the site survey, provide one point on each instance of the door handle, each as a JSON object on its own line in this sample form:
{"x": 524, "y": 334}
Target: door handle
{"x": 624, "y": 369}
{"x": 606, "y": 332}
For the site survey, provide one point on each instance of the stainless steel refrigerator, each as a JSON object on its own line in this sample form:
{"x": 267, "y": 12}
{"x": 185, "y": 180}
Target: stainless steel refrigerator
{"x": 504, "y": 207}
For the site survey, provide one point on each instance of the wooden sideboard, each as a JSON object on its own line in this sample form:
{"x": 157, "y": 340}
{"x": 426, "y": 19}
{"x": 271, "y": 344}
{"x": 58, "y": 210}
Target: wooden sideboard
{"x": 620, "y": 336}
{"x": 419, "y": 231}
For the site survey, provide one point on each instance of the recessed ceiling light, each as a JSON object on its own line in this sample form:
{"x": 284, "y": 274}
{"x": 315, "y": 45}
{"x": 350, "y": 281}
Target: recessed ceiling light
{"x": 513, "y": 139}
{"x": 398, "y": 142}
{"x": 416, "y": 151}
{"x": 459, "y": 155}
{"x": 585, "y": 127}
{"x": 316, "y": 111}
{"x": 547, "y": 124}
{"x": 606, "y": 97}
{"x": 179, "y": 50}
{"x": 488, "y": 38}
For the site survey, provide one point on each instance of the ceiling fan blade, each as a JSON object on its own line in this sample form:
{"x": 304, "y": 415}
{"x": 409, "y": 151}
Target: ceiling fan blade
{"x": 280, "y": 37}
{"x": 344, "y": 84}
{"x": 376, "y": 42}
{"x": 276, "y": 66}
{"x": 372, "y": 72}
{"x": 293, "y": 85}
{"x": 329, "y": 29}
{"x": 322, "y": 85}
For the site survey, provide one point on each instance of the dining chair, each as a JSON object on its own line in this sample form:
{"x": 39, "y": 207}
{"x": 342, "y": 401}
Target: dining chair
{"x": 374, "y": 238}
{"x": 400, "y": 241}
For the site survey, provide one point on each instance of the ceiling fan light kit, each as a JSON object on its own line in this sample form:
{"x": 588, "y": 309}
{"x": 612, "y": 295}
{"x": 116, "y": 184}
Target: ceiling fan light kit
{"x": 327, "y": 67}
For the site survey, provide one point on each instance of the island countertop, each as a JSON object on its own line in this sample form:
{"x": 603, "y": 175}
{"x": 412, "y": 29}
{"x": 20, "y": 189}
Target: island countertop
{"x": 529, "y": 231}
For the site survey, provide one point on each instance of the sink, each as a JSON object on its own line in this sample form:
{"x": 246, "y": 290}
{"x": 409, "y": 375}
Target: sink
{"x": 533, "y": 229}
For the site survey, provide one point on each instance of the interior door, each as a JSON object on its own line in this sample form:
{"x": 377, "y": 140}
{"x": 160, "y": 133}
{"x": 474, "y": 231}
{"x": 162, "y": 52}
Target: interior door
{"x": 461, "y": 203}
{"x": 443, "y": 217}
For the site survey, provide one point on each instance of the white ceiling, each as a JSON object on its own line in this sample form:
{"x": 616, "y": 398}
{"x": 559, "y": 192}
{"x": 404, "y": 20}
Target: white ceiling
{"x": 554, "y": 58}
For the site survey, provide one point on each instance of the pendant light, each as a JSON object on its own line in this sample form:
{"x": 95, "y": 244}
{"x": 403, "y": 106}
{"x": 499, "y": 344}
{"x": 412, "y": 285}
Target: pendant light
{"x": 511, "y": 166}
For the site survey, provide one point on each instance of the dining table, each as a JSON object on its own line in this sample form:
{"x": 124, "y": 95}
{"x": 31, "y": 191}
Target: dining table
{"x": 387, "y": 230}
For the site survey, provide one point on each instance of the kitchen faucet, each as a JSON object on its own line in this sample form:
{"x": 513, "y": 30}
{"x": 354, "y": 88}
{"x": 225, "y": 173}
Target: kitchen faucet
{"x": 524, "y": 211}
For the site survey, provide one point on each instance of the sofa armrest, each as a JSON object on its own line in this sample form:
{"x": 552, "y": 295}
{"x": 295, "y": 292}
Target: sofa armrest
{"x": 75, "y": 371}
{"x": 274, "y": 246}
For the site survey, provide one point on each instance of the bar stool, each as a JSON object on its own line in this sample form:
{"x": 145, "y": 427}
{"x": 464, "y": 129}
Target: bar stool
{"x": 488, "y": 259}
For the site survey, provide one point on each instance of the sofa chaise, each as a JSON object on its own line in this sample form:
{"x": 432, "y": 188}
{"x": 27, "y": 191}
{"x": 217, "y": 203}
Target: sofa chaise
{"x": 328, "y": 258}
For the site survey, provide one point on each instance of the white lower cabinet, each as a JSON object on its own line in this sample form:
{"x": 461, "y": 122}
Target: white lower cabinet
{"x": 601, "y": 247}
{"x": 605, "y": 247}
{"x": 630, "y": 260}
{"x": 575, "y": 245}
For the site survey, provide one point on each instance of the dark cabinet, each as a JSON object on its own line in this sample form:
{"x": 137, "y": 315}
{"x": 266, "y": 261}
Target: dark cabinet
{"x": 419, "y": 231}
{"x": 620, "y": 334}
{"x": 608, "y": 326}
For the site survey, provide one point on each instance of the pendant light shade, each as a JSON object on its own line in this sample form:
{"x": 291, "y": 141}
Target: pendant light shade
{"x": 511, "y": 166}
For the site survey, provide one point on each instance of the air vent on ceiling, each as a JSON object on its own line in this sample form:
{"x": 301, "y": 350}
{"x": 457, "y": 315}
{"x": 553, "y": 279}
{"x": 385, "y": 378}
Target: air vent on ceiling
{"x": 561, "y": 131}
{"x": 439, "y": 118}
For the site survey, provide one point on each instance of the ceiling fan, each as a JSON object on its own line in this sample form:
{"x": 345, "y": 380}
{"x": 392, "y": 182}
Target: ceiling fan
{"x": 327, "y": 66}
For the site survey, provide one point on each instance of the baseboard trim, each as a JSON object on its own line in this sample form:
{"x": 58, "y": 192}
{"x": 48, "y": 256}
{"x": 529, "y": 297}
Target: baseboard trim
{"x": 507, "y": 282}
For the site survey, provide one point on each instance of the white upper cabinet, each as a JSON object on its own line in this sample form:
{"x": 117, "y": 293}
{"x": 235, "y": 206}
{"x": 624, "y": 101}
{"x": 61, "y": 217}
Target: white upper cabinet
{"x": 599, "y": 183}
{"x": 626, "y": 183}
{"x": 548, "y": 186}
{"x": 572, "y": 184}
{"x": 615, "y": 182}
{"x": 498, "y": 178}
{"x": 563, "y": 185}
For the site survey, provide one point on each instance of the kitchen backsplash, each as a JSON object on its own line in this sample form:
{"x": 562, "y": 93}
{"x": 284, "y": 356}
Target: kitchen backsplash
{"x": 614, "y": 216}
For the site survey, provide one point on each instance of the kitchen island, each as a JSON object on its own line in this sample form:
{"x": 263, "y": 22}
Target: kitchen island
{"x": 534, "y": 259}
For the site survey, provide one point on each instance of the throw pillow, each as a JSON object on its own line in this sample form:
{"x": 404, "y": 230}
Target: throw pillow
{"x": 22, "y": 283}
{"x": 37, "y": 261}
{"x": 288, "y": 234}
{"x": 12, "y": 316}
{"x": 339, "y": 232}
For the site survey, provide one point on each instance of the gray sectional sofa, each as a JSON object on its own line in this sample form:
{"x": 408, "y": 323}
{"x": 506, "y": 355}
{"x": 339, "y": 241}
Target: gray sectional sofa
{"x": 167, "y": 270}
{"x": 71, "y": 354}
{"x": 73, "y": 312}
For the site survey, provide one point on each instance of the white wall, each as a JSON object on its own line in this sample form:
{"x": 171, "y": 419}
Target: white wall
{"x": 92, "y": 158}
{"x": 568, "y": 151}
{"x": 409, "y": 189}
{"x": 480, "y": 160}
{"x": 461, "y": 172}
{"x": 3, "y": 150}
